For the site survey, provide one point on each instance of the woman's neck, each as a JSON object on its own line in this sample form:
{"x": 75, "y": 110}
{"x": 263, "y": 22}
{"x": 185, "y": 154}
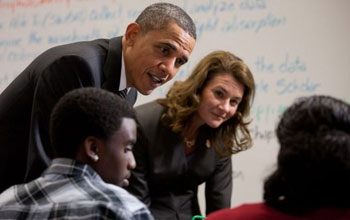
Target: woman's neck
{"x": 192, "y": 127}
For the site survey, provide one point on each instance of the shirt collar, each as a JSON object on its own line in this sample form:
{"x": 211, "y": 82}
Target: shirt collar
{"x": 66, "y": 166}
{"x": 122, "y": 81}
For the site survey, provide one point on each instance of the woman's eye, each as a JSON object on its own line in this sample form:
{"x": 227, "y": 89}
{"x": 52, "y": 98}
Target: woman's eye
{"x": 219, "y": 94}
{"x": 234, "y": 102}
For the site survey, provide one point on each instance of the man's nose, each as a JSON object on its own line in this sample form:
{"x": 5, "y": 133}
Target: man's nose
{"x": 131, "y": 162}
{"x": 168, "y": 67}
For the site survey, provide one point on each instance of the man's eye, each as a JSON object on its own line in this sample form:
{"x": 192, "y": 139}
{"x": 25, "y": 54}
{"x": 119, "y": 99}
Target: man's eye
{"x": 164, "y": 50}
{"x": 180, "y": 62}
{"x": 127, "y": 149}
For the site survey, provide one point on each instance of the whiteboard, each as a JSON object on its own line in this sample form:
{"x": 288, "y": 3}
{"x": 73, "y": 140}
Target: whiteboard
{"x": 294, "y": 48}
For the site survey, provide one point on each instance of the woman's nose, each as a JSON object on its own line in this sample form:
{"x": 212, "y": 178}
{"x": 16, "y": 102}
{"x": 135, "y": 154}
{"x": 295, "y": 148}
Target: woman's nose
{"x": 225, "y": 106}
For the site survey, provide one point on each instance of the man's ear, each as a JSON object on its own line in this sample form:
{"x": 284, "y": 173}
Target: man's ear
{"x": 90, "y": 148}
{"x": 132, "y": 31}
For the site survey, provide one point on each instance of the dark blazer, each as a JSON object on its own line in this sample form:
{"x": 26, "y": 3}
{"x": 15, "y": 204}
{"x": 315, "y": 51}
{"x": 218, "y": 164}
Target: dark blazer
{"x": 25, "y": 105}
{"x": 166, "y": 180}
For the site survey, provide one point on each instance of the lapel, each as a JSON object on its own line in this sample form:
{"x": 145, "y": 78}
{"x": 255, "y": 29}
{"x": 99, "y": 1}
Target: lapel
{"x": 172, "y": 161}
{"x": 112, "y": 66}
{"x": 168, "y": 162}
{"x": 204, "y": 158}
{"x": 112, "y": 70}
{"x": 166, "y": 155}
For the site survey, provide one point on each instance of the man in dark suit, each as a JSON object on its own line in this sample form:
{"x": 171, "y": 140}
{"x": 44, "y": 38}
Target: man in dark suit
{"x": 149, "y": 54}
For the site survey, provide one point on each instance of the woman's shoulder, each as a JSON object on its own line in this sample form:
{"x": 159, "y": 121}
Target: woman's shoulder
{"x": 149, "y": 107}
{"x": 150, "y": 110}
{"x": 149, "y": 114}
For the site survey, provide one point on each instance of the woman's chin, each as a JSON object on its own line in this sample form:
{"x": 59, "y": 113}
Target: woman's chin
{"x": 214, "y": 124}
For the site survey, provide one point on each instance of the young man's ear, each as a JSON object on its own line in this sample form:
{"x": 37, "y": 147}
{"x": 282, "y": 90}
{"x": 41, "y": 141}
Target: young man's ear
{"x": 90, "y": 149}
{"x": 132, "y": 31}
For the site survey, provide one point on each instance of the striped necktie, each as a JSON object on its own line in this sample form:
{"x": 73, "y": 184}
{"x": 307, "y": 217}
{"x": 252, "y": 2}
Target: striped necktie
{"x": 123, "y": 93}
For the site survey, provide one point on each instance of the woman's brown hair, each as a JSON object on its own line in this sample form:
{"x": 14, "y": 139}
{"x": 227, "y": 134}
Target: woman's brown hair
{"x": 183, "y": 99}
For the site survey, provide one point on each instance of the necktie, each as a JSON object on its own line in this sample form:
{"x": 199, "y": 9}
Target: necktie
{"x": 123, "y": 93}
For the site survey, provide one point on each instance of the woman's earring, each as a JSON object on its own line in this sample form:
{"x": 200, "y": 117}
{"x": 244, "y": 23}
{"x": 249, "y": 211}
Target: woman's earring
{"x": 95, "y": 158}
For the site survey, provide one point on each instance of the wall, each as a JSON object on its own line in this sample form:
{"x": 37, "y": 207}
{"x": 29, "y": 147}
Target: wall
{"x": 294, "y": 48}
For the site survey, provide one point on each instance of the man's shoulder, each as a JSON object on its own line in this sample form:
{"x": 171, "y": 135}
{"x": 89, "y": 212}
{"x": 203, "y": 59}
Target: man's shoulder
{"x": 110, "y": 202}
{"x": 81, "y": 48}
{"x": 122, "y": 197}
{"x": 7, "y": 196}
{"x": 85, "y": 209}
{"x": 123, "y": 201}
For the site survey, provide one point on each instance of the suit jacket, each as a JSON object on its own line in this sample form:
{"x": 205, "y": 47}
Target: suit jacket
{"x": 25, "y": 105}
{"x": 166, "y": 180}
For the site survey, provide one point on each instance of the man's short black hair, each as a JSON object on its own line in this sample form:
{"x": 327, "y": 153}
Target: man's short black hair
{"x": 158, "y": 16}
{"x": 86, "y": 112}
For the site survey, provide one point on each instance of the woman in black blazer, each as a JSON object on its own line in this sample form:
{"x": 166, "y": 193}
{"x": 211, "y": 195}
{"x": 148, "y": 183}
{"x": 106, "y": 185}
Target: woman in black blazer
{"x": 188, "y": 138}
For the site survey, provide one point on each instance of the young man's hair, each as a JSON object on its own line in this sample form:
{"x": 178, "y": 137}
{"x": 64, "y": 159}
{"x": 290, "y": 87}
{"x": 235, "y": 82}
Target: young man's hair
{"x": 313, "y": 168}
{"x": 86, "y": 112}
{"x": 158, "y": 16}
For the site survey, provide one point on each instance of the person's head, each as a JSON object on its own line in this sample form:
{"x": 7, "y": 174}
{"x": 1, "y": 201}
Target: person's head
{"x": 95, "y": 127}
{"x": 219, "y": 93}
{"x": 156, "y": 45}
{"x": 313, "y": 167}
